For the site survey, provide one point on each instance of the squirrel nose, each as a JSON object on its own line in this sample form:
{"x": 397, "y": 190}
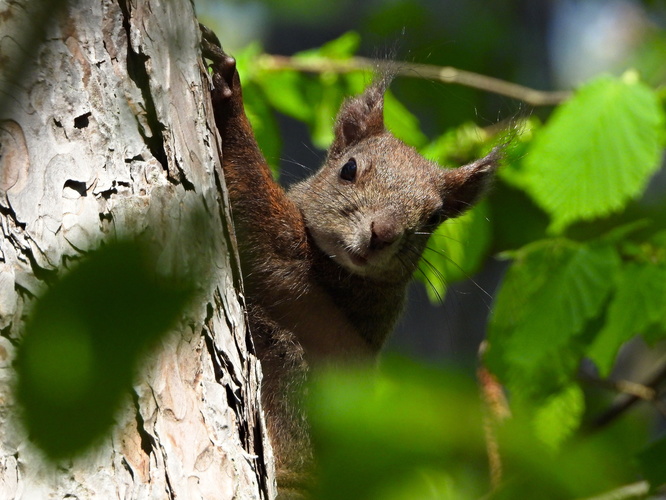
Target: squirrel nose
{"x": 383, "y": 233}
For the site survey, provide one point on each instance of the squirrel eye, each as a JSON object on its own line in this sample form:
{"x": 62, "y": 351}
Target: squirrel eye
{"x": 348, "y": 170}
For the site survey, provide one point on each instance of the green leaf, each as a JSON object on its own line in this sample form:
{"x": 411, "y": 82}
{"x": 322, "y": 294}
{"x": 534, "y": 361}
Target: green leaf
{"x": 246, "y": 62}
{"x": 549, "y": 294}
{"x": 264, "y": 125}
{"x": 403, "y": 124}
{"x": 332, "y": 93}
{"x": 639, "y": 302}
{"x": 376, "y": 431}
{"x": 342, "y": 47}
{"x": 82, "y": 341}
{"x": 456, "y": 143}
{"x": 652, "y": 462}
{"x": 455, "y": 251}
{"x": 559, "y": 416}
{"x": 287, "y": 92}
{"x": 596, "y": 152}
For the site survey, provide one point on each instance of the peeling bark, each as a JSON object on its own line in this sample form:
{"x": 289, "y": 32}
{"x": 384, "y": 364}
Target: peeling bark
{"x": 109, "y": 132}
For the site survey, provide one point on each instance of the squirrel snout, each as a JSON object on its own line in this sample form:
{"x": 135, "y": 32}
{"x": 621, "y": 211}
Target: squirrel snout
{"x": 384, "y": 232}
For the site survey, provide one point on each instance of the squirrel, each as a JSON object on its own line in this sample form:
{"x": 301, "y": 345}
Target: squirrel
{"x": 326, "y": 263}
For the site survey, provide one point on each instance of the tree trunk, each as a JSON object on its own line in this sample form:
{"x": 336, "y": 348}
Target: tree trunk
{"x": 108, "y": 132}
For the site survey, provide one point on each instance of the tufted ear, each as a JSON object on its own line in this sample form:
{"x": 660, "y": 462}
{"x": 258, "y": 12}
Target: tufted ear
{"x": 359, "y": 118}
{"x": 464, "y": 186}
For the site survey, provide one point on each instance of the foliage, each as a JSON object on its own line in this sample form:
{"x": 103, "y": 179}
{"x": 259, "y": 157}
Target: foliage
{"x": 410, "y": 431}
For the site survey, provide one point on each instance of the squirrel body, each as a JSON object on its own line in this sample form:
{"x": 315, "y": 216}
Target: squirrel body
{"x": 326, "y": 264}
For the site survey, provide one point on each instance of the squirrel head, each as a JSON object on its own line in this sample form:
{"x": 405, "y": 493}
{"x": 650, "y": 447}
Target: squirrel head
{"x": 375, "y": 200}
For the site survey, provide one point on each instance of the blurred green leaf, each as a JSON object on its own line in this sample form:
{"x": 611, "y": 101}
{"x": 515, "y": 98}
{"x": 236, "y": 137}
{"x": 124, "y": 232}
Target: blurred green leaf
{"x": 246, "y": 62}
{"x": 455, "y": 146}
{"x": 375, "y": 432}
{"x": 287, "y": 91}
{"x": 403, "y": 124}
{"x": 652, "y": 463}
{"x": 596, "y": 152}
{"x": 455, "y": 251}
{"x": 559, "y": 416}
{"x": 551, "y": 291}
{"x": 342, "y": 47}
{"x": 581, "y": 468}
{"x": 264, "y": 125}
{"x": 410, "y": 431}
{"x": 82, "y": 341}
{"x": 331, "y": 95}
{"x": 425, "y": 484}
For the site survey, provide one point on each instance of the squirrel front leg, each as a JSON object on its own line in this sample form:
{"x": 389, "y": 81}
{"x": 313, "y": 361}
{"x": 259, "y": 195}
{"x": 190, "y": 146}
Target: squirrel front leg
{"x": 268, "y": 223}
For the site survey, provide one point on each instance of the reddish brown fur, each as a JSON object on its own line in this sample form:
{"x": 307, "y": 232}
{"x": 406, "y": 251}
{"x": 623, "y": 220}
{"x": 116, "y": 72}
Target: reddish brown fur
{"x": 326, "y": 266}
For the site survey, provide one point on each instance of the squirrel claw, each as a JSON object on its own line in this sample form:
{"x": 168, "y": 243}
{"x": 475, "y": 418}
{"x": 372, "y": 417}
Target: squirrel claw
{"x": 224, "y": 66}
{"x": 209, "y": 36}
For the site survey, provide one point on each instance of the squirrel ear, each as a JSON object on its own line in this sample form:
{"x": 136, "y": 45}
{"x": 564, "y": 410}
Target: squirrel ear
{"x": 464, "y": 186}
{"x": 359, "y": 118}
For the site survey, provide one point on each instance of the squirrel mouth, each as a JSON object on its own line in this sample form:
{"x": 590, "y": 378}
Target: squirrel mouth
{"x": 357, "y": 260}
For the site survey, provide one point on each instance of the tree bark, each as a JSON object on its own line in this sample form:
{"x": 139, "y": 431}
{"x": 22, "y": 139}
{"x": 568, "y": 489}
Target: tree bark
{"x": 106, "y": 130}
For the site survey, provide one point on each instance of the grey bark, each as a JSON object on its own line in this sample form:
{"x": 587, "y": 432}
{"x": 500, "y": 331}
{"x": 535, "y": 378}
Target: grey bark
{"x": 106, "y": 130}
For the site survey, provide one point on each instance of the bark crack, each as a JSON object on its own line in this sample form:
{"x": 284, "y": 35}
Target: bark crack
{"x": 222, "y": 366}
{"x": 214, "y": 355}
{"x": 138, "y": 73}
{"x": 148, "y": 443}
{"x": 183, "y": 178}
{"x": 20, "y": 240}
{"x": 229, "y": 235}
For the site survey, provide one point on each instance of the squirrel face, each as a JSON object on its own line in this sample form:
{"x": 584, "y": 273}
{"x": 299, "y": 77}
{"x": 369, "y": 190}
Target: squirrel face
{"x": 374, "y": 202}
{"x": 371, "y": 208}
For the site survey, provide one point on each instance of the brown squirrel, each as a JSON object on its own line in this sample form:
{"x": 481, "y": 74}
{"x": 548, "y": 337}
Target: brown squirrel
{"x": 326, "y": 264}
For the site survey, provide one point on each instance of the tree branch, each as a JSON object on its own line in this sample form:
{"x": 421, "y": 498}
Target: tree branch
{"x": 634, "y": 490}
{"x": 625, "y": 387}
{"x": 630, "y": 398}
{"x": 444, "y": 74}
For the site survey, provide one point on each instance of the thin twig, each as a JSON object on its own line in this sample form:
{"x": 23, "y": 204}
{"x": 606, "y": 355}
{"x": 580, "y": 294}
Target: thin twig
{"x": 444, "y": 74}
{"x": 626, "y": 401}
{"x": 623, "y": 387}
{"x": 633, "y": 490}
{"x": 496, "y": 411}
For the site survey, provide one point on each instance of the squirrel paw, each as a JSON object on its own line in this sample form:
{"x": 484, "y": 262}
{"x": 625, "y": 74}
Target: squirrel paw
{"x": 224, "y": 66}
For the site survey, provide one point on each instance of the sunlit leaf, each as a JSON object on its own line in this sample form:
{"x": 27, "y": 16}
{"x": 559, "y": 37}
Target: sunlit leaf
{"x": 460, "y": 142}
{"x": 341, "y": 48}
{"x": 596, "y": 152}
{"x": 286, "y": 91}
{"x": 323, "y": 120}
{"x": 639, "y": 301}
{"x": 403, "y": 124}
{"x": 559, "y": 416}
{"x": 551, "y": 291}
